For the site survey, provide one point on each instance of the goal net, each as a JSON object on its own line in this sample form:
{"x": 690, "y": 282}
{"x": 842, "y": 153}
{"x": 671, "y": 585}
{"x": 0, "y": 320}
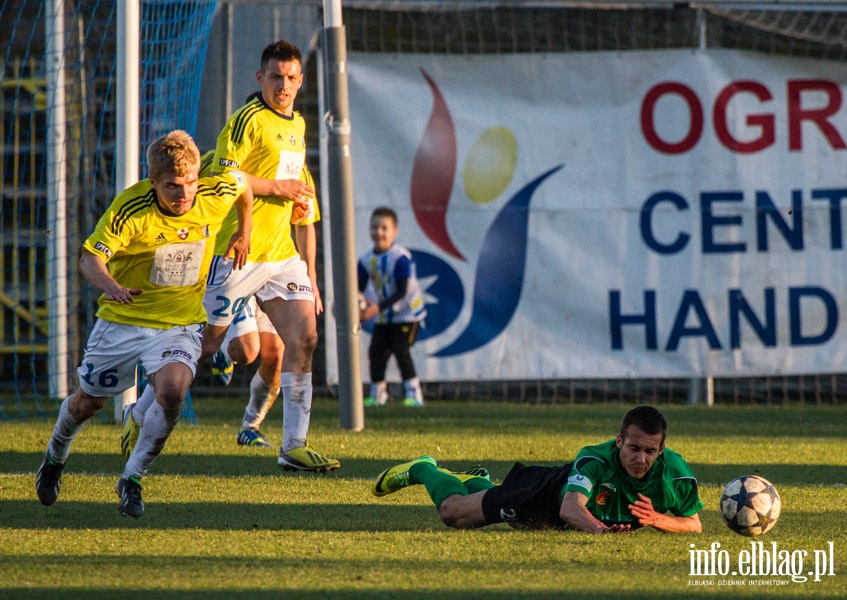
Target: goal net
{"x": 79, "y": 96}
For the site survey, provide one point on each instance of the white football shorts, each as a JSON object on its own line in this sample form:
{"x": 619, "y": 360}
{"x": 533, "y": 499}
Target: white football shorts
{"x": 251, "y": 319}
{"x": 114, "y": 350}
{"x": 228, "y": 291}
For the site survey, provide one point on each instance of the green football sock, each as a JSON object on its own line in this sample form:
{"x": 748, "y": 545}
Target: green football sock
{"x": 477, "y": 484}
{"x": 439, "y": 485}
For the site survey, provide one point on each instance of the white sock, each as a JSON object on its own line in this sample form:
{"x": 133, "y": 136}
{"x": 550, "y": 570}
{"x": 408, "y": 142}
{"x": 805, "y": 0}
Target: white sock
{"x": 64, "y": 433}
{"x": 148, "y": 397}
{"x": 413, "y": 389}
{"x": 379, "y": 392}
{"x": 158, "y": 425}
{"x": 296, "y": 409}
{"x": 262, "y": 397}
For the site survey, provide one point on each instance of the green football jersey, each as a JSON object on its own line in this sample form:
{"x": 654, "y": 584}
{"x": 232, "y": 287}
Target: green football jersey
{"x": 598, "y": 474}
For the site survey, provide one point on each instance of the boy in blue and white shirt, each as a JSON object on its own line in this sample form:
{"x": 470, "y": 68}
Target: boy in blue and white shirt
{"x": 399, "y": 308}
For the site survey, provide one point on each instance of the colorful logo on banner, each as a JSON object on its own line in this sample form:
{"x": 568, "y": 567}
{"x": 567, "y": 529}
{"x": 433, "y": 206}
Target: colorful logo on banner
{"x": 488, "y": 170}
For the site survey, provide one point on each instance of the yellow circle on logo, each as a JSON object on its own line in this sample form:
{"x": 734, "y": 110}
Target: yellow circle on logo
{"x": 490, "y": 164}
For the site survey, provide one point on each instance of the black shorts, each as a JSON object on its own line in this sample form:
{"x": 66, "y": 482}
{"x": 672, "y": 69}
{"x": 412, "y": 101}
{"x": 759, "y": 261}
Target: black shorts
{"x": 528, "y": 497}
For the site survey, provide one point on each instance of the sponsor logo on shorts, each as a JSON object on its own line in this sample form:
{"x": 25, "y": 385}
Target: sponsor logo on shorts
{"x": 294, "y": 287}
{"x": 225, "y": 162}
{"x": 580, "y": 481}
{"x": 103, "y": 248}
{"x": 182, "y": 353}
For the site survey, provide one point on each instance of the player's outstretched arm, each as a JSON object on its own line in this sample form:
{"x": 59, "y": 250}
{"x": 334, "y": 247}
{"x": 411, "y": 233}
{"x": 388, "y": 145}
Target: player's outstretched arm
{"x": 95, "y": 271}
{"x": 239, "y": 243}
{"x": 574, "y": 512}
{"x": 642, "y": 509}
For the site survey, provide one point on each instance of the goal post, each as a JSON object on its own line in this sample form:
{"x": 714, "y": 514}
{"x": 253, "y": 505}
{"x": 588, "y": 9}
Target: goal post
{"x": 127, "y": 114}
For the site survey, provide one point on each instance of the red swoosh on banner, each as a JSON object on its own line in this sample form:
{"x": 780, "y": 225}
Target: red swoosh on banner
{"x": 433, "y": 173}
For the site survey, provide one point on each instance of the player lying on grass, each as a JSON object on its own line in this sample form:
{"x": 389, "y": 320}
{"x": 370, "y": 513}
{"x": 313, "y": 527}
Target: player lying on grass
{"x": 629, "y": 482}
{"x": 149, "y": 254}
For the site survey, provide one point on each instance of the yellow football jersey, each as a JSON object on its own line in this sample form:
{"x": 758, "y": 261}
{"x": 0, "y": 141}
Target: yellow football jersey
{"x": 166, "y": 256}
{"x": 206, "y": 170}
{"x": 260, "y": 141}
{"x": 316, "y": 211}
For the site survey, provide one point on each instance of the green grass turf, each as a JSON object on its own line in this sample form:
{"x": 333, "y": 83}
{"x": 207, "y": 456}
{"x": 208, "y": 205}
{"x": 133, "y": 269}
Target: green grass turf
{"x": 223, "y": 522}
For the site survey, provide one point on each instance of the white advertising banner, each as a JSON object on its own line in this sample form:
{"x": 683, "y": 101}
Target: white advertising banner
{"x": 610, "y": 214}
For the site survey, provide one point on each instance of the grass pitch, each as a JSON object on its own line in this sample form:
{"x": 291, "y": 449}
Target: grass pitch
{"x": 223, "y": 522}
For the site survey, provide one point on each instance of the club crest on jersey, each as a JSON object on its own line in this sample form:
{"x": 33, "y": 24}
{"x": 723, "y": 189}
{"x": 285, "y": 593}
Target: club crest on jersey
{"x": 182, "y": 233}
{"x": 603, "y": 497}
{"x": 293, "y": 139}
{"x": 180, "y": 256}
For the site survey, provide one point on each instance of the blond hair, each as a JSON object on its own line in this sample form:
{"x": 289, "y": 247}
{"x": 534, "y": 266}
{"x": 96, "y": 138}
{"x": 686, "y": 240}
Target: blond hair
{"x": 174, "y": 153}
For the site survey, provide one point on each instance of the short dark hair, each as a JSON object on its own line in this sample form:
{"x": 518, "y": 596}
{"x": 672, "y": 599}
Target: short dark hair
{"x": 282, "y": 50}
{"x": 384, "y": 211}
{"x": 647, "y": 419}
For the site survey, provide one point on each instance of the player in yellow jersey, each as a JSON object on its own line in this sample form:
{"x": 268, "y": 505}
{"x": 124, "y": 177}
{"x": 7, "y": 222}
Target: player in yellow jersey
{"x": 252, "y": 335}
{"x": 265, "y": 138}
{"x": 149, "y": 254}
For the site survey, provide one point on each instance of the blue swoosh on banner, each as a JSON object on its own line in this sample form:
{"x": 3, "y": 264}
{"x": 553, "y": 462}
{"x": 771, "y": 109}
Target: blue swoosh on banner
{"x": 499, "y": 273}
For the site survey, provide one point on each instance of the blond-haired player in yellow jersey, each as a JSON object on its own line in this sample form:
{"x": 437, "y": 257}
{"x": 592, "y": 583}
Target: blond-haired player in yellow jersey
{"x": 265, "y": 138}
{"x": 149, "y": 254}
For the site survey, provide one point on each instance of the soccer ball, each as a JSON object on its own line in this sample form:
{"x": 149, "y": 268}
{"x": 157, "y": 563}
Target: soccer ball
{"x": 750, "y": 505}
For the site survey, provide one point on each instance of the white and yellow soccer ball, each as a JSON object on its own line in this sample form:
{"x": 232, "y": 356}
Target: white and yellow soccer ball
{"x": 750, "y": 505}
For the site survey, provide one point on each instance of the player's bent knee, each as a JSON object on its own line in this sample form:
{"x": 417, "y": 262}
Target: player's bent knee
{"x": 83, "y": 406}
{"x": 242, "y": 355}
{"x": 309, "y": 341}
{"x": 170, "y": 398}
{"x": 304, "y": 344}
{"x": 171, "y": 385}
{"x": 453, "y": 515}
